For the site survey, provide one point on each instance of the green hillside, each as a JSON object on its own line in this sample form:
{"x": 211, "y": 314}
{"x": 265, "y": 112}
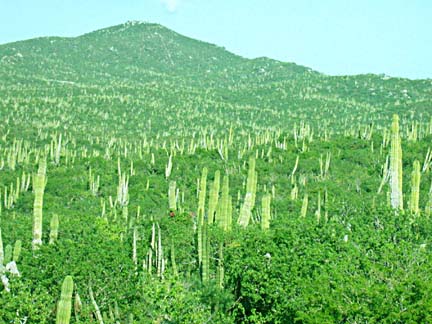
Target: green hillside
{"x": 147, "y": 177}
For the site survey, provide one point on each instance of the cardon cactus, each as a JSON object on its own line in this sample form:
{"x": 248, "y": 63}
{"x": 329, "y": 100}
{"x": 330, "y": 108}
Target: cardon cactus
{"x": 200, "y": 213}
{"x": 304, "y": 206}
{"x": 265, "y": 212}
{"x": 172, "y": 202}
{"x": 65, "y": 304}
{"x": 214, "y": 197}
{"x": 54, "y": 228}
{"x": 415, "y": 188}
{"x": 224, "y": 209}
{"x": 1, "y": 249}
{"x": 396, "y": 195}
{"x": 39, "y": 182}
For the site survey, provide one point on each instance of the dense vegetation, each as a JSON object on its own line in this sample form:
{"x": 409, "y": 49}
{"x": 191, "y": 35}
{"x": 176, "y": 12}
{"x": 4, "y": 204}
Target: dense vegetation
{"x": 147, "y": 177}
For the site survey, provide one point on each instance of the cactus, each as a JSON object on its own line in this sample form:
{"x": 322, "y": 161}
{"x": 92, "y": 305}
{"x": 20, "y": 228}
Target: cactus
{"x": 415, "y": 188}
{"x": 160, "y": 261}
{"x": 202, "y": 195}
{"x": 295, "y": 168}
{"x": 304, "y": 206}
{"x": 245, "y": 211}
{"x": 220, "y": 269}
{"x": 224, "y": 208}
{"x": 252, "y": 179}
{"x": 205, "y": 253}
{"x": 54, "y": 225}
{"x": 17, "y": 250}
{"x": 318, "y": 211}
{"x": 168, "y": 167}
{"x": 58, "y": 150}
{"x": 93, "y": 184}
{"x": 77, "y": 307}
{"x": 214, "y": 197}
{"x": 265, "y": 212}
{"x": 172, "y": 196}
{"x": 294, "y": 192}
{"x": 134, "y": 247}
{"x": 7, "y": 254}
{"x": 65, "y": 303}
{"x": 386, "y": 175}
{"x": 326, "y": 205}
{"x": 39, "y": 182}
{"x": 95, "y": 305}
{"x": 1, "y": 249}
{"x": 200, "y": 213}
{"x": 123, "y": 189}
{"x": 396, "y": 195}
{"x": 428, "y": 161}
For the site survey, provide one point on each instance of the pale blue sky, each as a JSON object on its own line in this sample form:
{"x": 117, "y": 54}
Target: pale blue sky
{"x": 331, "y": 36}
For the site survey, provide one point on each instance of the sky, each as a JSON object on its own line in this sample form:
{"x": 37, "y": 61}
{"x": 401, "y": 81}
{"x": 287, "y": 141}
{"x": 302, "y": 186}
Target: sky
{"x": 336, "y": 37}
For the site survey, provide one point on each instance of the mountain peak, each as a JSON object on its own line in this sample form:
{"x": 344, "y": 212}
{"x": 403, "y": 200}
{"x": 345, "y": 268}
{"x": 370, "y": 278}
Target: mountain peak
{"x": 128, "y": 26}
{"x": 139, "y": 51}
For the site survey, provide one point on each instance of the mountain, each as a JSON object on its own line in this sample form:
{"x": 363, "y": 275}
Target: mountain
{"x": 157, "y": 67}
{"x": 135, "y": 52}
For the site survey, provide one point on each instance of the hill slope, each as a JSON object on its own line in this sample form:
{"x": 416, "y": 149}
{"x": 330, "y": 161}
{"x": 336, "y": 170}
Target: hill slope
{"x": 159, "y": 68}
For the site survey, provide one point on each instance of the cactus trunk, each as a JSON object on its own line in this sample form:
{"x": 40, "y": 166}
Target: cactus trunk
{"x": 265, "y": 212}
{"x": 396, "y": 195}
{"x": 65, "y": 303}
{"x": 39, "y": 187}
{"x": 415, "y": 188}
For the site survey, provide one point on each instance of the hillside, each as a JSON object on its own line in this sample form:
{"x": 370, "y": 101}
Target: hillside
{"x": 133, "y": 52}
{"x": 152, "y": 65}
{"x": 146, "y": 177}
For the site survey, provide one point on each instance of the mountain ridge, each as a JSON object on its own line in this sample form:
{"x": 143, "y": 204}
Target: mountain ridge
{"x": 156, "y": 64}
{"x": 125, "y": 29}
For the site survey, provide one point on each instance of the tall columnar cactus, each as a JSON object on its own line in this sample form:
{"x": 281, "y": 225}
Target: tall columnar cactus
{"x": 123, "y": 189}
{"x": 96, "y": 307}
{"x": 134, "y": 247}
{"x": 396, "y": 195}
{"x": 245, "y": 211}
{"x": 214, "y": 198}
{"x": 252, "y": 179}
{"x": 220, "y": 273}
{"x": 8, "y": 254}
{"x": 205, "y": 253}
{"x": 326, "y": 205}
{"x": 202, "y": 195}
{"x": 1, "y": 249}
{"x": 58, "y": 150}
{"x": 304, "y": 206}
{"x": 201, "y": 209}
{"x": 385, "y": 176}
{"x": 160, "y": 260}
{"x": 415, "y": 188}
{"x": 65, "y": 303}
{"x": 294, "y": 192}
{"x": 17, "y": 250}
{"x": 224, "y": 209}
{"x": 318, "y": 211}
{"x": 168, "y": 167}
{"x": 265, "y": 212}
{"x": 172, "y": 196}
{"x": 94, "y": 183}
{"x": 295, "y": 169}
{"x": 77, "y": 307}
{"x": 54, "y": 225}
{"x": 428, "y": 208}
{"x": 39, "y": 182}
